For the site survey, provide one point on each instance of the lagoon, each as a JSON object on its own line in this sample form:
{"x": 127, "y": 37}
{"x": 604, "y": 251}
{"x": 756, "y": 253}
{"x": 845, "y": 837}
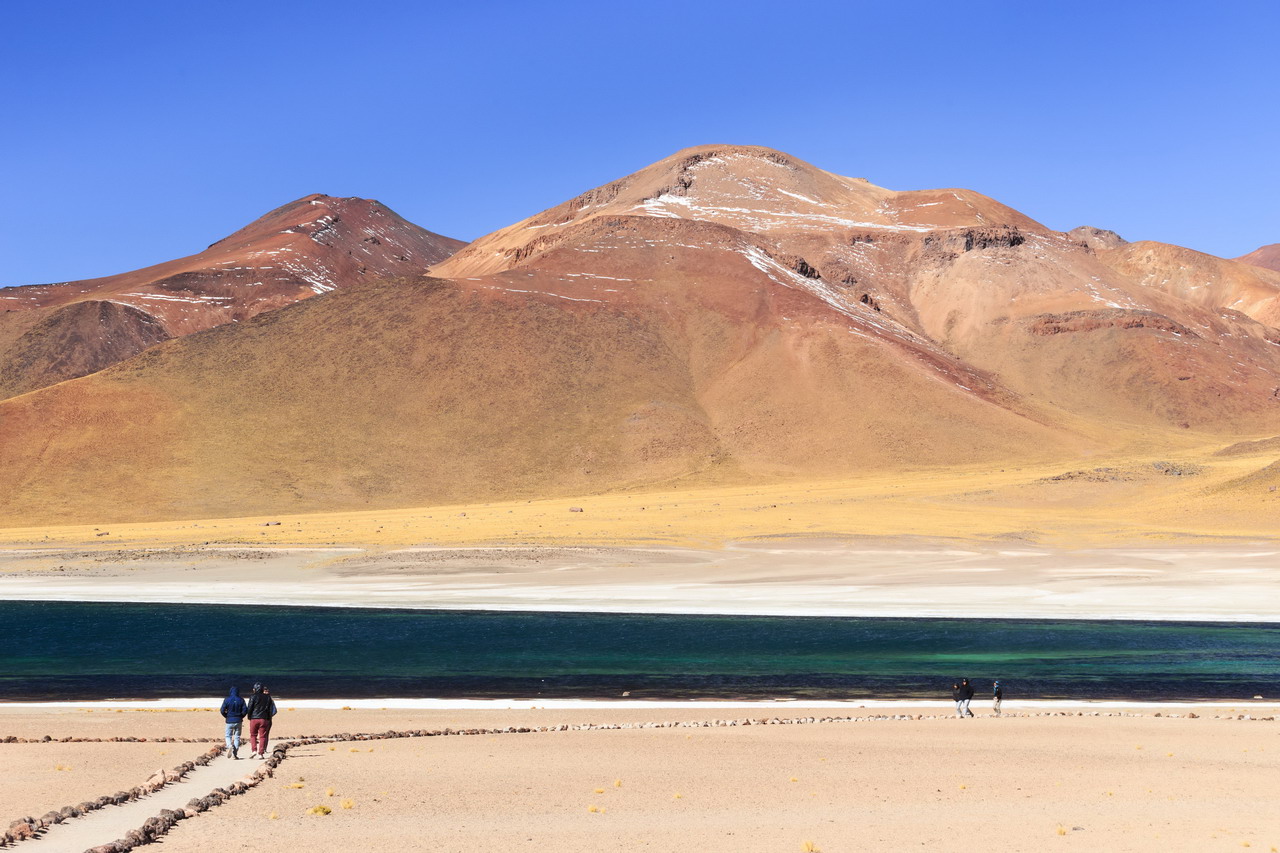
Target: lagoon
{"x": 86, "y": 650}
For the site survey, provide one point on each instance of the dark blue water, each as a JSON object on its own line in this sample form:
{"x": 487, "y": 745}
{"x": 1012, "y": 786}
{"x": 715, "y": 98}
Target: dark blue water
{"x": 55, "y": 650}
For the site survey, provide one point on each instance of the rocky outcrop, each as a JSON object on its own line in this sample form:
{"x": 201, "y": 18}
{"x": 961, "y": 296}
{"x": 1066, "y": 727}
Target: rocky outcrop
{"x": 949, "y": 244}
{"x": 1092, "y": 321}
{"x": 1096, "y": 239}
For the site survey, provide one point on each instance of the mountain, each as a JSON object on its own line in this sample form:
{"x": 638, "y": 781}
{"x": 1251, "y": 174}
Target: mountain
{"x": 729, "y": 314}
{"x": 749, "y": 189}
{"x": 1200, "y": 279}
{"x": 1044, "y": 311}
{"x": 308, "y": 247}
{"x": 1265, "y": 256}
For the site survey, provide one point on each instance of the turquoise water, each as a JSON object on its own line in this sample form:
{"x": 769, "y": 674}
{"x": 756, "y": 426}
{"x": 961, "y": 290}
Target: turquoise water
{"x": 58, "y": 650}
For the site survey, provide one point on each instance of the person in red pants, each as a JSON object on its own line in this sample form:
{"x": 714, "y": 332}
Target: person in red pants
{"x": 261, "y": 708}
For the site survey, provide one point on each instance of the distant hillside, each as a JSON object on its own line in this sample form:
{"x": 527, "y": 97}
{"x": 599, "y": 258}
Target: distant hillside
{"x": 310, "y": 246}
{"x": 1265, "y": 256}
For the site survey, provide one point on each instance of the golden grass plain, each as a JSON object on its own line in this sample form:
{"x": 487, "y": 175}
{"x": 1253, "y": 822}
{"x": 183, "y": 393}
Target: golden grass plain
{"x": 1107, "y": 501}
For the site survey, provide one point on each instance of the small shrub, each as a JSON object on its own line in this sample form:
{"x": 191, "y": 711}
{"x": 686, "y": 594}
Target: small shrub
{"x": 809, "y": 847}
{"x": 273, "y": 816}
{"x": 319, "y": 810}
{"x": 1061, "y": 830}
{"x": 328, "y": 792}
{"x": 295, "y": 785}
{"x": 348, "y": 804}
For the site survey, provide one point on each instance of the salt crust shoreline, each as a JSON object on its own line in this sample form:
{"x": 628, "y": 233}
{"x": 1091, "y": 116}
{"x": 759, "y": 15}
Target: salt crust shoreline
{"x": 138, "y": 595}
{"x": 200, "y": 703}
{"x": 1236, "y": 584}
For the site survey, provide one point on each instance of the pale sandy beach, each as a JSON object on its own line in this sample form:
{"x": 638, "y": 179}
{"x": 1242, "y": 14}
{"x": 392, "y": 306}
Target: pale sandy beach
{"x": 1122, "y": 783}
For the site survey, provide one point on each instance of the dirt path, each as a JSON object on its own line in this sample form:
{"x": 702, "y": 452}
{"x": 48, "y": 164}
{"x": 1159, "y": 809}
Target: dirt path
{"x": 112, "y": 822}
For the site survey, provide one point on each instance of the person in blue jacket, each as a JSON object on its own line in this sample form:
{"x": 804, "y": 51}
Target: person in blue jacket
{"x": 233, "y": 711}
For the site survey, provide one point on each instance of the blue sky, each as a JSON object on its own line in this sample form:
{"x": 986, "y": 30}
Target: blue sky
{"x": 136, "y": 132}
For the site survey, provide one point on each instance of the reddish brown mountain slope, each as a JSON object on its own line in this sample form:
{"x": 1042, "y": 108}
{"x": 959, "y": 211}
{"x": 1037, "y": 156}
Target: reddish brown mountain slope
{"x": 729, "y": 314}
{"x": 75, "y": 340}
{"x": 752, "y": 189}
{"x": 1049, "y": 314}
{"x": 1265, "y": 256}
{"x": 403, "y": 393}
{"x": 1200, "y": 279}
{"x": 307, "y": 247}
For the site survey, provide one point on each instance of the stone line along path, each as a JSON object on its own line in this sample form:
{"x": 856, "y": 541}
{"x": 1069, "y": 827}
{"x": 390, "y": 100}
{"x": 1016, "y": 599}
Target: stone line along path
{"x": 111, "y": 822}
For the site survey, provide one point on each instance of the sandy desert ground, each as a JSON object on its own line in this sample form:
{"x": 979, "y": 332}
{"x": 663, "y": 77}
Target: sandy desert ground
{"x": 1012, "y": 784}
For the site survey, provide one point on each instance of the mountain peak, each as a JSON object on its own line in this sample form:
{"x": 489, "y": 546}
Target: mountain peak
{"x": 312, "y": 245}
{"x": 749, "y": 188}
{"x": 1264, "y": 256}
{"x": 1097, "y": 238}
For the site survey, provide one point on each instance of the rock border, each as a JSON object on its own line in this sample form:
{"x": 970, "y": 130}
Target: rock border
{"x": 27, "y": 827}
{"x": 72, "y": 739}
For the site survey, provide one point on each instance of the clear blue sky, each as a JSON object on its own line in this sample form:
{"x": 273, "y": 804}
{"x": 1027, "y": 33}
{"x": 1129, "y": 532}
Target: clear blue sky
{"x": 135, "y": 132}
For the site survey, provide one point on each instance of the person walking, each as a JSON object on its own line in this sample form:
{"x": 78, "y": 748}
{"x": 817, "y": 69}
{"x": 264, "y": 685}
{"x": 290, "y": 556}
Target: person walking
{"x": 997, "y": 696}
{"x": 233, "y": 710}
{"x": 955, "y": 697}
{"x": 260, "y": 708}
{"x": 966, "y": 696}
